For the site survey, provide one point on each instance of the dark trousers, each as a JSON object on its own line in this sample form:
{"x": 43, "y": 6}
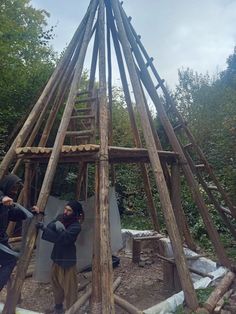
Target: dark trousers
{"x": 7, "y": 264}
{"x": 5, "y": 272}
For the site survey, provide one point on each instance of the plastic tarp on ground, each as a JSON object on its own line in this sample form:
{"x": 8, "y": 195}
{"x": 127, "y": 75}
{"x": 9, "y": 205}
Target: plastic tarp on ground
{"x": 202, "y": 264}
{"x": 84, "y": 242}
{"x": 19, "y": 310}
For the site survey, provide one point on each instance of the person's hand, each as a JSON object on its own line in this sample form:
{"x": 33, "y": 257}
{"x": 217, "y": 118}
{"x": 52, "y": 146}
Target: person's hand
{"x": 35, "y": 210}
{"x": 59, "y": 226}
{"x": 40, "y": 225}
{"x": 7, "y": 201}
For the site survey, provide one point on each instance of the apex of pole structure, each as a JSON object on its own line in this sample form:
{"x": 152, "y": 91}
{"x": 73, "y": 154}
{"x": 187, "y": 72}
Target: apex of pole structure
{"x": 84, "y": 135}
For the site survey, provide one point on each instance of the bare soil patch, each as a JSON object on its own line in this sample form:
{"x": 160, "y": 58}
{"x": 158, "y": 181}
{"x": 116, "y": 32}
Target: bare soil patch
{"x": 141, "y": 285}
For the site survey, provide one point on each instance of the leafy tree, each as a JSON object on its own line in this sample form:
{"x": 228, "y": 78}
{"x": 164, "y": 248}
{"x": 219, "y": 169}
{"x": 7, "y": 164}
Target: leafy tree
{"x": 26, "y": 60}
{"x": 209, "y": 107}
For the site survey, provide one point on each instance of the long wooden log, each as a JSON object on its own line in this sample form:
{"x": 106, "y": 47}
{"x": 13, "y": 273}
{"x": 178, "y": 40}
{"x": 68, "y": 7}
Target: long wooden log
{"x": 149, "y": 85}
{"x": 222, "y": 300}
{"x": 136, "y": 137}
{"x": 178, "y": 209}
{"x": 96, "y": 278}
{"x": 93, "y": 63}
{"x": 219, "y": 291}
{"x": 106, "y": 275}
{"x": 110, "y": 97}
{"x": 129, "y": 308}
{"x": 77, "y": 305}
{"x": 29, "y": 123}
{"x": 184, "y": 274}
{"x": 12, "y": 299}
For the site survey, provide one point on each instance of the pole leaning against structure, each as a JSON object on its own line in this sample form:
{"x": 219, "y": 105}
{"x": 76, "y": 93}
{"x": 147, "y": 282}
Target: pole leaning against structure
{"x": 183, "y": 271}
{"x": 12, "y": 298}
{"x": 149, "y": 85}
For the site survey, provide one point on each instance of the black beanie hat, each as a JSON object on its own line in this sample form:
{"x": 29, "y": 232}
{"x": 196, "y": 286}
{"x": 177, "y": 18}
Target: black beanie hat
{"x": 76, "y": 206}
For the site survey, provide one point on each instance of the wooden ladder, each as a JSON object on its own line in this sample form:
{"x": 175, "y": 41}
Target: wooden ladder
{"x": 195, "y": 157}
{"x": 83, "y": 130}
{"x": 83, "y": 122}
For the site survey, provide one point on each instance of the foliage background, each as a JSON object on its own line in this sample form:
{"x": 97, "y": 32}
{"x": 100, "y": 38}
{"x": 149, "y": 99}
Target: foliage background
{"x": 207, "y": 103}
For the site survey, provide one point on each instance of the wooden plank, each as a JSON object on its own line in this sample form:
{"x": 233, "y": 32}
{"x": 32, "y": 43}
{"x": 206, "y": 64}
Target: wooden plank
{"x": 186, "y": 282}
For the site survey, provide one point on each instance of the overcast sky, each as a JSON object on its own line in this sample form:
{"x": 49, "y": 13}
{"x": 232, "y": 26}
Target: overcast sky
{"x": 199, "y": 34}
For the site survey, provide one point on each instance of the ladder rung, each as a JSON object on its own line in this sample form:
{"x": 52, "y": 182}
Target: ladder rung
{"x": 83, "y": 137}
{"x": 90, "y": 99}
{"x": 78, "y": 133}
{"x": 178, "y": 127}
{"x": 88, "y": 116}
{"x": 83, "y": 93}
{"x": 189, "y": 145}
{"x": 200, "y": 166}
{"x": 168, "y": 109}
{"x": 212, "y": 187}
{"x": 149, "y": 62}
{"x": 226, "y": 210}
{"x": 159, "y": 85}
{"x": 83, "y": 109}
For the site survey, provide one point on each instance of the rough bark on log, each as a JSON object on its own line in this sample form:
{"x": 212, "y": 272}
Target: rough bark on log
{"x": 126, "y": 305}
{"x": 219, "y": 291}
{"x": 221, "y": 302}
{"x": 77, "y": 305}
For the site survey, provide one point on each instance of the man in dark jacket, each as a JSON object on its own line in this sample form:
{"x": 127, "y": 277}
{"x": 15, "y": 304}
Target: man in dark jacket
{"x": 63, "y": 232}
{"x": 9, "y": 187}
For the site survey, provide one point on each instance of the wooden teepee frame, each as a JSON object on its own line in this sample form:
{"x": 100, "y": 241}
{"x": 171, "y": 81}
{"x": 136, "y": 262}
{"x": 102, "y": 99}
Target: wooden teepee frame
{"x": 61, "y": 92}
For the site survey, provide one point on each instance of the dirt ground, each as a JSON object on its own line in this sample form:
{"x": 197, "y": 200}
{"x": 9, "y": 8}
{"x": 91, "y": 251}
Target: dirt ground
{"x": 141, "y": 285}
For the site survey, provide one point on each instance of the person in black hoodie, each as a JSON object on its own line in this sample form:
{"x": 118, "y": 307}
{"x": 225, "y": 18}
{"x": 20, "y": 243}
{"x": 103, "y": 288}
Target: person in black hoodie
{"x": 63, "y": 232}
{"x": 9, "y": 188}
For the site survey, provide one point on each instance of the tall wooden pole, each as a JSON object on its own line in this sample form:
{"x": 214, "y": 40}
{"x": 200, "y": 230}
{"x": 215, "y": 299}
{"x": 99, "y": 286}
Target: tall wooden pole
{"x": 183, "y": 271}
{"x": 93, "y": 63}
{"x": 149, "y": 85}
{"x": 137, "y": 140}
{"x": 110, "y": 96}
{"x": 49, "y": 88}
{"x": 106, "y": 273}
{"x": 177, "y": 206}
{"x": 96, "y": 297}
{"x": 46, "y": 186}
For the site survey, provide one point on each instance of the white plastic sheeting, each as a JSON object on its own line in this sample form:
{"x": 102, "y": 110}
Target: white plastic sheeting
{"x": 202, "y": 264}
{"x": 84, "y": 242}
{"x": 19, "y": 310}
